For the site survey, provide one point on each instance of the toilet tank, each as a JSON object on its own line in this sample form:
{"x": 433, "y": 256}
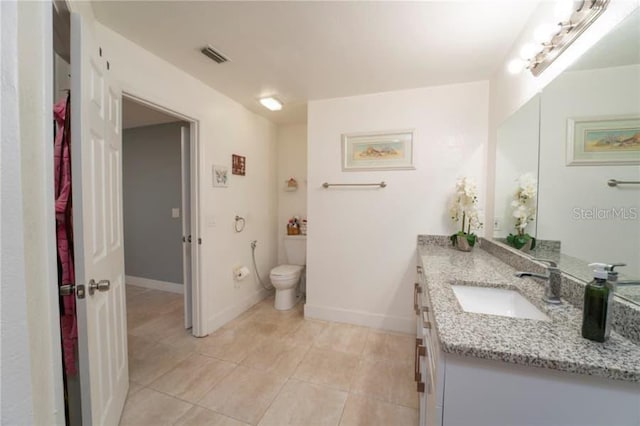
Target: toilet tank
{"x": 295, "y": 246}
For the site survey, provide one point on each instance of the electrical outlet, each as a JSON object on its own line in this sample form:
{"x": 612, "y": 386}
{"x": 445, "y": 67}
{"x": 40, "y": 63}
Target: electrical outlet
{"x": 175, "y": 213}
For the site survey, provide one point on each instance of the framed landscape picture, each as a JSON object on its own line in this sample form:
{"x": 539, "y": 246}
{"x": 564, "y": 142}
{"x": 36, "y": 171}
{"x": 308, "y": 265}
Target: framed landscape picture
{"x": 603, "y": 141}
{"x": 391, "y": 150}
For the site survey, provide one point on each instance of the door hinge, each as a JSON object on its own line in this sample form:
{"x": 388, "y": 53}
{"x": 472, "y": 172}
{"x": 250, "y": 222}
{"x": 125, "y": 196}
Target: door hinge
{"x": 199, "y": 240}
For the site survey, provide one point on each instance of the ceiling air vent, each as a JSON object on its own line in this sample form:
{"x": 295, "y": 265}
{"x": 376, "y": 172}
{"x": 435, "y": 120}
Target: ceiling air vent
{"x": 214, "y": 55}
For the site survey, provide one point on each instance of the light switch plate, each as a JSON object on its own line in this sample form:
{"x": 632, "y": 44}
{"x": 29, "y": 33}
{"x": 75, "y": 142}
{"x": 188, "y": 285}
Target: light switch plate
{"x": 175, "y": 213}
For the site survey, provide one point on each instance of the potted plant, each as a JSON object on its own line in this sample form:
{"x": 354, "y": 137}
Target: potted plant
{"x": 464, "y": 210}
{"x": 524, "y": 210}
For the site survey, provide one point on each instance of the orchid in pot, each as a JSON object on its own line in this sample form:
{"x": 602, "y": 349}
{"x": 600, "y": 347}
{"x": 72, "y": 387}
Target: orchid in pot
{"x": 524, "y": 210}
{"x": 464, "y": 209}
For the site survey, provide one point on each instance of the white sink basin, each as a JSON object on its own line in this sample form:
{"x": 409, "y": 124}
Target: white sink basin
{"x": 496, "y": 301}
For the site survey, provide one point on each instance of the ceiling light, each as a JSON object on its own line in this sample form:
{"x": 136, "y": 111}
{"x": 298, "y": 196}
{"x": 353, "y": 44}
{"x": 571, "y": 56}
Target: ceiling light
{"x": 572, "y": 18}
{"x": 563, "y": 10}
{"x": 528, "y": 51}
{"x": 271, "y": 103}
{"x": 544, "y": 33}
{"x": 515, "y": 66}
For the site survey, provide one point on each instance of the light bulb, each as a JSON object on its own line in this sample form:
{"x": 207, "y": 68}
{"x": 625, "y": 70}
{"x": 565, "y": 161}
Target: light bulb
{"x": 515, "y": 66}
{"x": 271, "y": 103}
{"x": 544, "y": 33}
{"x": 528, "y": 51}
{"x": 563, "y": 10}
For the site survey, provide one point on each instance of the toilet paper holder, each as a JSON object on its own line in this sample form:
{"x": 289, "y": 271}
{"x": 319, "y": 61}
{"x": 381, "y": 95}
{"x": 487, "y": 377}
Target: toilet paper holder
{"x": 241, "y": 272}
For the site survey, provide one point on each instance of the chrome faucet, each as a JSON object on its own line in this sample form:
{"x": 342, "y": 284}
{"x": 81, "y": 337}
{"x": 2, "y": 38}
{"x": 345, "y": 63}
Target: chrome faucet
{"x": 553, "y": 279}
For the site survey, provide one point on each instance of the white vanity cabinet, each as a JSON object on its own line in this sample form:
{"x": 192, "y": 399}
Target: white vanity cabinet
{"x": 429, "y": 362}
{"x": 457, "y": 390}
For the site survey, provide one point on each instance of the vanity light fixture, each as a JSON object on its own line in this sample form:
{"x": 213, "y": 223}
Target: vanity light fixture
{"x": 271, "y": 103}
{"x": 573, "y": 18}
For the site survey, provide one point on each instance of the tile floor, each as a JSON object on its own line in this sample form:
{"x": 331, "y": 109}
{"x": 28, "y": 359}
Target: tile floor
{"x": 263, "y": 368}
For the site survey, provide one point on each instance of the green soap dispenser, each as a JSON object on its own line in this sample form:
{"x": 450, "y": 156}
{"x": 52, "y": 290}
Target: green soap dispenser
{"x": 597, "y": 304}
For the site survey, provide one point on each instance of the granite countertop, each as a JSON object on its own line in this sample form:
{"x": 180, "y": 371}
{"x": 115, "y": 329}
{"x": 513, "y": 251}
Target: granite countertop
{"x": 555, "y": 344}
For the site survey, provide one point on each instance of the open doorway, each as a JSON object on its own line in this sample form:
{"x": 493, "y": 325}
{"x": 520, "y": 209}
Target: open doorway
{"x": 159, "y": 181}
{"x": 156, "y": 182}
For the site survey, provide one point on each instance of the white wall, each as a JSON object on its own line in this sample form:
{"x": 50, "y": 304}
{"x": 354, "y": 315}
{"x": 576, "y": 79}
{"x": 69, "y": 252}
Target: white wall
{"x": 225, "y": 128}
{"x": 31, "y": 355}
{"x": 362, "y": 242}
{"x": 292, "y": 162}
{"x": 152, "y": 188}
{"x": 509, "y": 92}
{"x": 574, "y": 95}
{"x": 15, "y": 387}
{"x": 516, "y": 154}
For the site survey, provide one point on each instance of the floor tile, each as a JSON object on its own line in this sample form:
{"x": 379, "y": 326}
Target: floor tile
{"x": 139, "y": 346}
{"x": 292, "y": 371}
{"x": 327, "y": 367}
{"x": 245, "y": 394}
{"x": 193, "y": 377}
{"x": 161, "y": 326}
{"x": 132, "y": 290}
{"x": 362, "y": 411}
{"x": 396, "y": 347}
{"x": 390, "y": 381}
{"x": 157, "y": 359}
{"x": 273, "y": 324}
{"x": 300, "y": 403}
{"x": 133, "y": 388}
{"x": 198, "y": 416}
{"x": 231, "y": 345}
{"x": 276, "y": 355}
{"x": 183, "y": 339}
{"x": 342, "y": 337}
{"x": 150, "y": 408}
{"x": 308, "y": 332}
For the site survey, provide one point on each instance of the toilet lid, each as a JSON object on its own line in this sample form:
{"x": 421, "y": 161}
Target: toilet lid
{"x": 286, "y": 270}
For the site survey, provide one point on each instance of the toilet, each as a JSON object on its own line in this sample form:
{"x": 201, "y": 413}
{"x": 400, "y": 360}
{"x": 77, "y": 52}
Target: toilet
{"x": 285, "y": 278}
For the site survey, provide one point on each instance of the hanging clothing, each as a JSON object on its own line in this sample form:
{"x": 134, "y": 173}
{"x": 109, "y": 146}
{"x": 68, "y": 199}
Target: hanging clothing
{"x": 64, "y": 230}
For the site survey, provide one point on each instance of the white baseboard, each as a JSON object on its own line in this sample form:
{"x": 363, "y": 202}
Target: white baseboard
{"x": 223, "y": 317}
{"x": 154, "y": 284}
{"x": 367, "y": 319}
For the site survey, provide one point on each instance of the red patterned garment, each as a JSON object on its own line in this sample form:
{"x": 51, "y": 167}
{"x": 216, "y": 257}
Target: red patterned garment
{"x": 64, "y": 231}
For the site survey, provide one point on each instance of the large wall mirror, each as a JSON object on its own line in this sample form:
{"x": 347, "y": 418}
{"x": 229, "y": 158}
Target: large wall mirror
{"x": 589, "y": 134}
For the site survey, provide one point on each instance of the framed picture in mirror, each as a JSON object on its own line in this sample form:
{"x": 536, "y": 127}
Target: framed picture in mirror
{"x": 603, "y": 141}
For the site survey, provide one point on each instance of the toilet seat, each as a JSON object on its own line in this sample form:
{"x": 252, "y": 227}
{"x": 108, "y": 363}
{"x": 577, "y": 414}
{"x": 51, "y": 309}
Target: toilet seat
{"x": 286, "y": 271}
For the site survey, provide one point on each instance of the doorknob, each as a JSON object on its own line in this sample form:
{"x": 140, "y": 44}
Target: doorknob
{"x": 102, "y": 285}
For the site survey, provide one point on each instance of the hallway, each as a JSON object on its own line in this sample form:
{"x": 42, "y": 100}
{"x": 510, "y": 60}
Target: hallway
{"x": 265, "y": 367}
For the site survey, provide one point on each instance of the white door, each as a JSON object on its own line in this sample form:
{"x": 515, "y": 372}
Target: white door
{"x": 185, "y": 146}
{"x": 96, "y": 143}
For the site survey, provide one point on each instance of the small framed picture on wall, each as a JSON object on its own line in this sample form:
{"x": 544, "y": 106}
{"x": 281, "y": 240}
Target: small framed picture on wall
{"x": 220, "y": 176}
{"x": 238, "y": 164}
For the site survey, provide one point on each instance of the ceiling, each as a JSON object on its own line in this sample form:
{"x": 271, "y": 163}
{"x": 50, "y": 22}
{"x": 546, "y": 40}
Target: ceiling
{"x": 618, "y": 48}
{"x": 135, "y": 114}
{"x": 301, "y": 51}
